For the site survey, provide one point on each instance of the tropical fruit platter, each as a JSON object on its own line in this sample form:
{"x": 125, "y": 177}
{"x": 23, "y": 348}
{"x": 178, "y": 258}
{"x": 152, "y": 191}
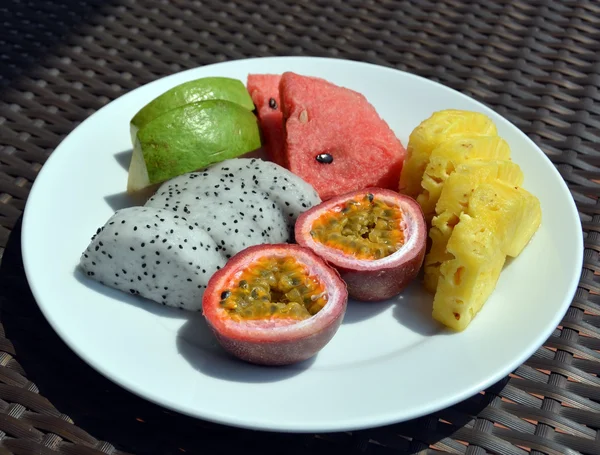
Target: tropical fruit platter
{"x": 272, "y": 204}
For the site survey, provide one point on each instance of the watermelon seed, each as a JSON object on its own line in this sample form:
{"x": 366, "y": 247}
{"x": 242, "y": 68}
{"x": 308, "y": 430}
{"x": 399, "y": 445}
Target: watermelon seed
{"x": 303, "y": 117}
{"x": 324, "y": 157}
{"x": 272, "y": 103}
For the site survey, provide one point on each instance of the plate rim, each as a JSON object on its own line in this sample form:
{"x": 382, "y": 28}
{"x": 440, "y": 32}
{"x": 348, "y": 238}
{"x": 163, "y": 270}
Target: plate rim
{"x": 499, "y": 373}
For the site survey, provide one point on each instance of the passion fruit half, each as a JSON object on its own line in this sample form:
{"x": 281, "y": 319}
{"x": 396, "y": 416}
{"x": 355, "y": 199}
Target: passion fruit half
{"x": 375, "y": 238}
{"x": 275, "y": 304}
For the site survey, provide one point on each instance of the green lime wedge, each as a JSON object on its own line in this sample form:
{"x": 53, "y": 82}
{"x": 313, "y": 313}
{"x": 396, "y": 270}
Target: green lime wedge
{"x": 188, "y": 138}
{"x": 207, "y": 88}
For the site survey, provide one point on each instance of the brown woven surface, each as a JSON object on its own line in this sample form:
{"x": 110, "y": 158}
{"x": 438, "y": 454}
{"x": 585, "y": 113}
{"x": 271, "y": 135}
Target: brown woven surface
{"x": 536, "y": 62}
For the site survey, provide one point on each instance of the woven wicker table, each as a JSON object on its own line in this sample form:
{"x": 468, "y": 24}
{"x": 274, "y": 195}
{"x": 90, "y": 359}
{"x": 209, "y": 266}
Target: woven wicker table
{"x": 535, "y": 62}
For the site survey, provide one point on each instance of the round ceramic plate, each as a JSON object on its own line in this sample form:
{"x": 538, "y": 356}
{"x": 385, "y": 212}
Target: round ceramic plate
{"x": 388, "y": 362}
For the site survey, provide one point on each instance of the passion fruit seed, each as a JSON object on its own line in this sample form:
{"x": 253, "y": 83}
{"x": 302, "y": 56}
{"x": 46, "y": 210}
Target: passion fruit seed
{"x": 365, "y": 228}
{"x": 274, "y": 287}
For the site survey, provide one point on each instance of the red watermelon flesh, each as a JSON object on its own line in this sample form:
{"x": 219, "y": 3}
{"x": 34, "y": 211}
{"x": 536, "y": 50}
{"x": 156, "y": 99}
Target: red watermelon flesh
{"x": 263, "y": 88}
{"x": 321, "y": 117}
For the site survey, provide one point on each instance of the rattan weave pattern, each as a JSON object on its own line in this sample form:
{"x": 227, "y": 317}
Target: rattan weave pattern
{"x": 536, "y": 62}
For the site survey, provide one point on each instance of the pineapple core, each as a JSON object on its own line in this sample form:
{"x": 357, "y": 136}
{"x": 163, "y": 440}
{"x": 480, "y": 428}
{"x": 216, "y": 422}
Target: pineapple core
{"x": 364, "y": 228}
{"x": 274, "y": 287}
{"x": 499, "y": 220}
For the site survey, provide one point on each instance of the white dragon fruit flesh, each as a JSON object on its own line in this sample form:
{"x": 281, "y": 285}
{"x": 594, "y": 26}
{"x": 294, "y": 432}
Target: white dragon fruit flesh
{"x": 155, "y": 254}
{"x": 240, "y": 202}
{"x": 167, "y": 250}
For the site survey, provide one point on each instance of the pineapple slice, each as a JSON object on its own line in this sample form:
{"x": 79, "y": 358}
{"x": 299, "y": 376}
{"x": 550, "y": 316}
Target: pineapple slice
{"x": 530, "y": 218}
{"x": 499, "y": 218}
{"x": 469, "y": 278}
{"x": 454, "y": 200}
{"x": 518, "y": 212}
{"x": 447, "y": 156}
{"x": 431, "y": 132}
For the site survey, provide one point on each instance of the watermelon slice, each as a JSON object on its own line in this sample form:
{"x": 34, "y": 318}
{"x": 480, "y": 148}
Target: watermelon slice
{"x": 264, "y": 90}
{"x": 334, "y": 138}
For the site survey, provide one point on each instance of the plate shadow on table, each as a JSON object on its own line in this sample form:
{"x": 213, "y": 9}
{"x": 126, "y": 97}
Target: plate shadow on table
{"x": 198, "y": 346}
{"x": 96, "y": 404}
{"x": 429, "y": 430}
{"x": 133, "y": 424}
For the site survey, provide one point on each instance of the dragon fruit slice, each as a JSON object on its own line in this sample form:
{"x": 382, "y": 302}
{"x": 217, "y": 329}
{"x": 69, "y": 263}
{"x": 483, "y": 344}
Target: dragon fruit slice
{"x": 153, "y": 253}
{"x": 167, "y": 250}
{"x": 240, "y": 202}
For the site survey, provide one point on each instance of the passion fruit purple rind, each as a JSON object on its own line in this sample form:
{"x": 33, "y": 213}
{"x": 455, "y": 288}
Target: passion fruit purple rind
{"x": 275, "y": 304}
{"x": 375, "y": 238}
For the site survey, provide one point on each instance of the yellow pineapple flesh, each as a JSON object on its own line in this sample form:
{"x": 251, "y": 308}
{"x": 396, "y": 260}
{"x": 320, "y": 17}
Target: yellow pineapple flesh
{"x": 530, "y": 218}
{"x": 447, "y": 156}
{"x": 467, "y": 280}
{"x": 454, "y": 199}
{"x": 430, "y": 133}
{"x": 496, "y": 215}
{"x": 517, "y": 211}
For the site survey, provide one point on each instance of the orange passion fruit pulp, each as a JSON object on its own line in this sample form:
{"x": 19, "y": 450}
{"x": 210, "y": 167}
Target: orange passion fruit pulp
{"x": 275, "y": 304}
{"x": 375, "y": 238}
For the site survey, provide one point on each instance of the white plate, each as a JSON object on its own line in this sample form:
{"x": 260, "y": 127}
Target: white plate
{"x": 388, "y": 362}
